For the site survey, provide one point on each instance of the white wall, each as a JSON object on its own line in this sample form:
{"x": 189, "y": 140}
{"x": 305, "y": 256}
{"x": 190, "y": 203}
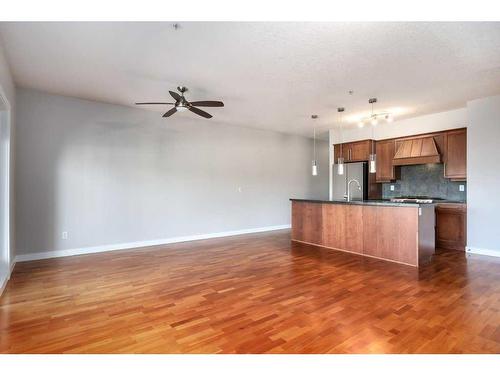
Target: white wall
{"x": 108, "y": 174}
{"x": 483, "y": 175}
{"x": 7, "y": 108}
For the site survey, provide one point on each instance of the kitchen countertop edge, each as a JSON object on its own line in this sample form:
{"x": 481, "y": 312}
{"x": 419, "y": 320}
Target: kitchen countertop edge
{"x": 363, "y": 203}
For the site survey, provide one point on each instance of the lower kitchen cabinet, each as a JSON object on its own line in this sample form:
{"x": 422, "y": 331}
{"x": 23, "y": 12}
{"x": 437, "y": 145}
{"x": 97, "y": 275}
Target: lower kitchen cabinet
{"x": 451, "y": 226}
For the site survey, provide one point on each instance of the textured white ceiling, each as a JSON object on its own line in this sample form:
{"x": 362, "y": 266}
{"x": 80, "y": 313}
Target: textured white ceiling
{"x": 269, "y": 75}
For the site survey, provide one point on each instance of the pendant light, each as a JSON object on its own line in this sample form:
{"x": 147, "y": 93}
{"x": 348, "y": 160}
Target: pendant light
{"x": 314, "y": 162}
{"x": 340, "y": 160}
{"x": 375, "y": 118}
{"x": 373, "y": 157}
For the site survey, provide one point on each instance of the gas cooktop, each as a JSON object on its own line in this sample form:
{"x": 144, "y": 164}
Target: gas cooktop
{"x": 415, "y": 199}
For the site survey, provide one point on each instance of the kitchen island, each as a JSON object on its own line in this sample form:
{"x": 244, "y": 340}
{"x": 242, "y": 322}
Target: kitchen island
{"x": 396, "y": 232}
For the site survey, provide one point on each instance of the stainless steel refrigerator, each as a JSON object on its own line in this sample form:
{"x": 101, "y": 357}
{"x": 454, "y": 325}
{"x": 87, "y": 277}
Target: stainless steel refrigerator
{"x": 357, "y": 171}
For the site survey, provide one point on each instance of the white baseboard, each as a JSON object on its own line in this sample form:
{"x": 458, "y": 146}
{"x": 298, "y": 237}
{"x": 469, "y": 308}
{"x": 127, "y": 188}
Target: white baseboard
{"x": 478, "y": 251}
{"x": 132, "y": 245}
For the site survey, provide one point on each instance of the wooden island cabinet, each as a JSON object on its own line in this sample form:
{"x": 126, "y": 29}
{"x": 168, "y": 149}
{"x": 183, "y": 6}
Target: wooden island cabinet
{"x": 401, "y": 233}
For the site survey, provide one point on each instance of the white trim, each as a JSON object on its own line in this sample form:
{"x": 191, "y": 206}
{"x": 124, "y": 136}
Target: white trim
{"x": 3, "y": 283}
{"x": 132, "y": 245}
{"x": 5, "y": 200}
{"x": 478, "y": 251}
{"x": 331, "y": 161}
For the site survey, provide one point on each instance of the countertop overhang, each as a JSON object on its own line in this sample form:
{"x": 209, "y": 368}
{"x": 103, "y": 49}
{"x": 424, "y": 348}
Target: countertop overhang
{"x": 374, "y": 202}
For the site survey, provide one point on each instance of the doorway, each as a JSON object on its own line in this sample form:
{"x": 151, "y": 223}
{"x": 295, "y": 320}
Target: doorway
{"x": 4, "y": 190}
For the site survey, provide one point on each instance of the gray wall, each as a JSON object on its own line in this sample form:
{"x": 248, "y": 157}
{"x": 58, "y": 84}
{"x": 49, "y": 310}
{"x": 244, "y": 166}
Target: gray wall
{"x": 109, "y": 174}
{"x": 425, "y": 180}
{"x": 483, "y": 174}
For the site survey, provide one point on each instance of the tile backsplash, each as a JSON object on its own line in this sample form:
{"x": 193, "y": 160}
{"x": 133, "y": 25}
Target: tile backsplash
{"x": 425, "y": 180}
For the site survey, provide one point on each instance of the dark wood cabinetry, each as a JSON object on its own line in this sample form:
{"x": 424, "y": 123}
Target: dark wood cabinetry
{"x": 360, "y": 151}
{"x": 353, "y": 151}
{"x": 451, "y": 226}
{"x": 455, "y": 166}
{"x": 341, "y": 149}
{"x": 386, "y": 171}
{"x": 398, "y": 234}
{"x": 449, "y": 147}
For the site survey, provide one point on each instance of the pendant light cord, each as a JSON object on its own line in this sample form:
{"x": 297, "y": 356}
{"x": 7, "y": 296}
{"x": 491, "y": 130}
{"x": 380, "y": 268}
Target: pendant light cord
{"x": 372, "y": 132}
{"x": 314, "y": 143}
{"x": 373, "y": 136}
{"x": 340, "y": 131}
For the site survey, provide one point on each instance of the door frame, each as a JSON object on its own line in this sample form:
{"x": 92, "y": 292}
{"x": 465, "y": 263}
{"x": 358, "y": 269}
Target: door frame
{"x": 5, "y": 125}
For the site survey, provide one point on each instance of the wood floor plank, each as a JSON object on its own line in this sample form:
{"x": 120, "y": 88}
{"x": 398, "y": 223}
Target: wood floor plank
{"x": 256, "y": 293}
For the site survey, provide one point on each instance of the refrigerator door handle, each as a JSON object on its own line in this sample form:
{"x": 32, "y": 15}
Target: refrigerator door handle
{"x": 346, "y": 178}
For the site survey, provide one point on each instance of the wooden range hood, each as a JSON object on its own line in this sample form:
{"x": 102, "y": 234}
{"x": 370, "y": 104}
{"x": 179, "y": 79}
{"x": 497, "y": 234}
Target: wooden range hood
{"x": 416, "y": 151}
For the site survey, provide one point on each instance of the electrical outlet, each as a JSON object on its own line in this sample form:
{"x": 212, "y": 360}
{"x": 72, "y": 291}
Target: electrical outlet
{"x": 392, "y": 187}
{"x": 64, "y": 235}
{"x": 461, "y": 187}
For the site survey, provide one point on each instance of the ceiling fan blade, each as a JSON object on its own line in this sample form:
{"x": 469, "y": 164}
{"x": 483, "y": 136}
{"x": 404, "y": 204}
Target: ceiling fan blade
{"x": 176, "y": 96}
{"x": 170, "y": 113}
{"x": 208, "y": 103}
{"x": 200, "y": 112}
{"x": 142, "y": 103}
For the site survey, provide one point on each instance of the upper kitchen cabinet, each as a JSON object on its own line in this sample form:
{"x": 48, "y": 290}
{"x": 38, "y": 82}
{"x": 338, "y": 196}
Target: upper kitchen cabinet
{"x": 341, "y": 148}
{"x": 353, "y": 151}
{"x": 455, "y": 166}
{"x": 360, "y": 151}
{"x": 386, "y": 171}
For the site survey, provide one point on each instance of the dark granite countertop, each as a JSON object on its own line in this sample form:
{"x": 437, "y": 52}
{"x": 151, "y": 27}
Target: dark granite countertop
{"x": 371, "y": 202}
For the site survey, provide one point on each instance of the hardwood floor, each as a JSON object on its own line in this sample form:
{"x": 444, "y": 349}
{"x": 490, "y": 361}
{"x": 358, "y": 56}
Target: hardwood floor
{"x": 250, "y": 294}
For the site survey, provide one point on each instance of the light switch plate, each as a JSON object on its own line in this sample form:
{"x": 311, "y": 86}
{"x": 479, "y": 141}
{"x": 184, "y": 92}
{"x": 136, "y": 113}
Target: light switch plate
{"x": 461, "y": 187}
{"x": 392, "y": 187}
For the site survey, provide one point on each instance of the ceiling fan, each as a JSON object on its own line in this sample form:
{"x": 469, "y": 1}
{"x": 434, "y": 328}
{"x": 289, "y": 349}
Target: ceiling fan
{"x": 181, "y": 104}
